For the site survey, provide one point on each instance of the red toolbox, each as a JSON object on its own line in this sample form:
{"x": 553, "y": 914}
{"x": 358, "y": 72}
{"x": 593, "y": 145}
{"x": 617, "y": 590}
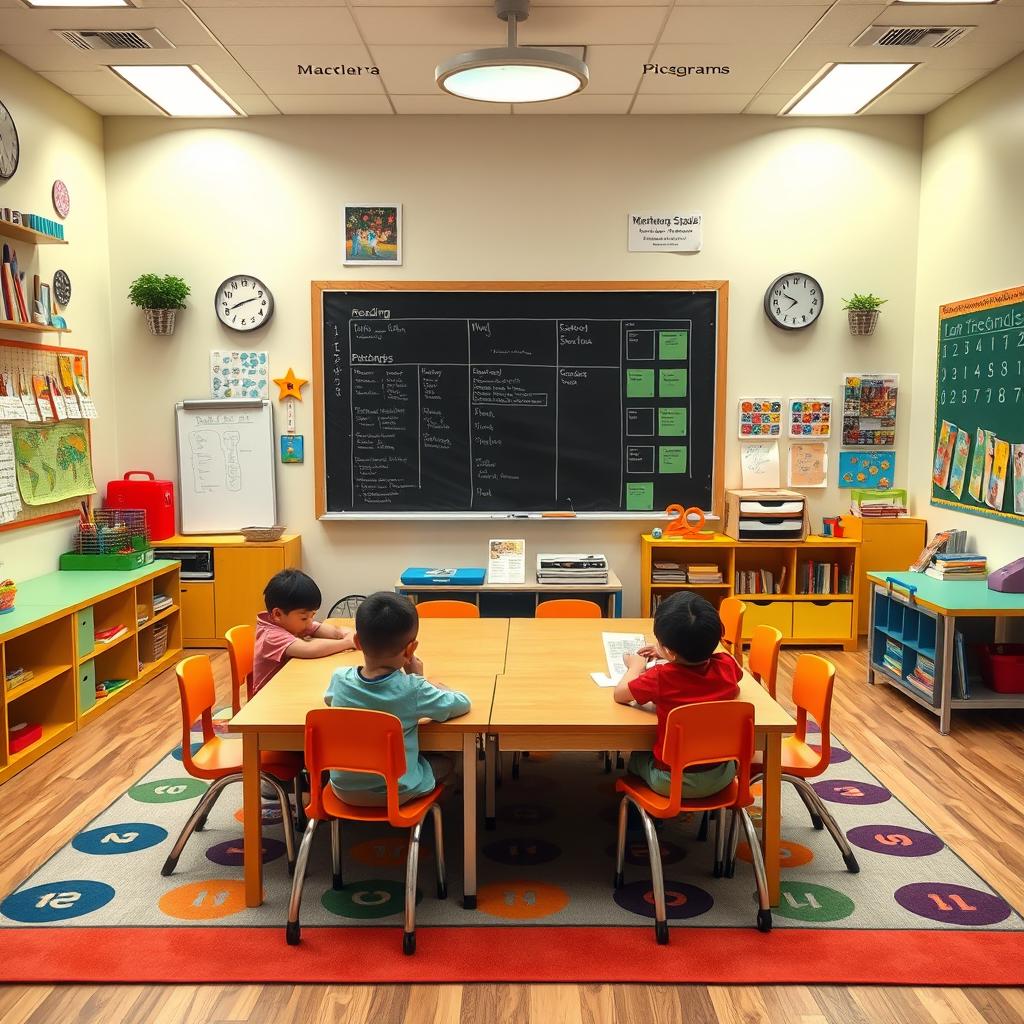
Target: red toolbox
{"x": 156, "y": 497}
{"x": 1002, "y": 667}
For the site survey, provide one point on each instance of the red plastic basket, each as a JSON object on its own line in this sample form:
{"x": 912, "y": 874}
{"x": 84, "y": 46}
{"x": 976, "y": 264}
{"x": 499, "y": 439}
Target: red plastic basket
{"x": 1002, "y": 667}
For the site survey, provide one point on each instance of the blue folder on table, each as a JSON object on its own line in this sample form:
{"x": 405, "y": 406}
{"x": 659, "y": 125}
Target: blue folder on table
{"x": 418, "y": 577}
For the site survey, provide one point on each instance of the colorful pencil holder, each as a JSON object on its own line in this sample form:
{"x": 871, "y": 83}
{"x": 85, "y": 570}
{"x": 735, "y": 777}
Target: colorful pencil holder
{"x": 7, "y": 592}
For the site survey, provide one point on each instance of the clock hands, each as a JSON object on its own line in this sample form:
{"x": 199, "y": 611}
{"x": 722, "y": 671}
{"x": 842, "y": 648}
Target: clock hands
{"x": 792, "y": 301}
{"x": 244, "y": 301}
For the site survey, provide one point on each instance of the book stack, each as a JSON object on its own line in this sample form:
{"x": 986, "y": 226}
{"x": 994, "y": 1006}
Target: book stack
{"x": 825, "y": 578}
{"x": 875, "y": 504}
{"x": 108, "y": 636}
{"x": 161, "y": 602}
{"x": 13, "y": 305}
{"x": 965, "y": 566}
{"x": 668, "y": 572}
{"x": 574, "y": 569}
{"x": 953, "y": 542}
{"x": 759, "y": 581}
{"x": 18, "y": 676}
{"x": 922, "y": 679}
{"x": 703, "y": 574}
{"x": 892, "y": 658}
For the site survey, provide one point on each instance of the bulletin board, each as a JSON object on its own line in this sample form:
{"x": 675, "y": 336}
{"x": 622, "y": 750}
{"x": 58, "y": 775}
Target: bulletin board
{"x": 19, "y": 357}
{"x": 979, "y": 407}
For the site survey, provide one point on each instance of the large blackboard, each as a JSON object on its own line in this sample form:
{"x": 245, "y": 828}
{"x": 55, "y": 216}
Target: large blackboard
{"x": 979, "y": 407}
{"x": 484, "y": 399}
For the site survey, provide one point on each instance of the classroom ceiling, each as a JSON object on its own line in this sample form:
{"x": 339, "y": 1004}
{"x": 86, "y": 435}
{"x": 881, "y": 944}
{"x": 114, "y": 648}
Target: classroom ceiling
{"x": 255, "y": 50}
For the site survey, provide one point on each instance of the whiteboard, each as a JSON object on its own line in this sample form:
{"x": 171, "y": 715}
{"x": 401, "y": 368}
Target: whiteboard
{"x": 225, "y": 465}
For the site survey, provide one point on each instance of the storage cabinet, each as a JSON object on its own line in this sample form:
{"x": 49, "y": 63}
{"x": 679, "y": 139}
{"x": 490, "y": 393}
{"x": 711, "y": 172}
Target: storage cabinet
{"x": 197, "y": 614}
{"x": 813, "y": 619}
{"x": 778, "y": 614}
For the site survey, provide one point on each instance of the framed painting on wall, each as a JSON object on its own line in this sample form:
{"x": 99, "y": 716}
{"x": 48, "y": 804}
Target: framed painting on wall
{"x": 372, "y": 234}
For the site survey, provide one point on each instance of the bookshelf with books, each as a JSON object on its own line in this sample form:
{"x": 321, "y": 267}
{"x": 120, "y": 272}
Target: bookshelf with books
{"x": 764, "y": 575}
{"x": 17, "y": 299}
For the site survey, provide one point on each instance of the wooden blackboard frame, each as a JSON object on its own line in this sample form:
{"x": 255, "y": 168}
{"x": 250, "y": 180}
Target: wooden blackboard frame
{"x": 318, "y": 288}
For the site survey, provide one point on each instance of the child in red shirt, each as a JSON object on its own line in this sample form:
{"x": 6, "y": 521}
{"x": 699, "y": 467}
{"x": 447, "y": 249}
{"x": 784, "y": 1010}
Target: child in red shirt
{"x": 688, "y": 630}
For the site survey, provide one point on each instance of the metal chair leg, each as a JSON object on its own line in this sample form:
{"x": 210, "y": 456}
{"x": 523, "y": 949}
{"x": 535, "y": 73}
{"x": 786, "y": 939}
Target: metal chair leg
{"x": 201, "y": 824}
{"x": 286, "y": 818}
{"x": 491, "y": 747}
{"x": 337, "y": 882}
{"x": 764, "y": 913}
{"x": 807, "y": 791}
{"x": 731, "y": 843}
{"x": 412, "y": 863}
{"x": 719, "y": 843}
{"x": 201, "y": 812}
{"x": 812, "y": 810}
{"x": 292, "y": 932}
{"x": 620, "y": 847}
{"x": 300, "y": 806}
{"x": 442, "y": 874}
{"x": 657, "y": 878}
{"x": 517, "y": 757}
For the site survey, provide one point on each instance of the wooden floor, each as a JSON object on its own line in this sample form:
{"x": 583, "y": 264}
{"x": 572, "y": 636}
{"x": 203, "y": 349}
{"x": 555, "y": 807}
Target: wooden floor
{"x": 968, "y": 786}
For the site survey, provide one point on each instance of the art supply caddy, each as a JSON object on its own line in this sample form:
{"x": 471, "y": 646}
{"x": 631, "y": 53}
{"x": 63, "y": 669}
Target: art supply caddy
{"x": 109, "y": 539}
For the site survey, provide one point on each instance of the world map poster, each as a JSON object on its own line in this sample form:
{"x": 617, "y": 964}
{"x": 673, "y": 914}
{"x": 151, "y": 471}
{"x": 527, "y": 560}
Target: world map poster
{"x": 53, "y": 462}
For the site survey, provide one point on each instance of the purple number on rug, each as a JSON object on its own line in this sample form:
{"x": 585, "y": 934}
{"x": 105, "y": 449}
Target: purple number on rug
{"x": 851, "y": 791}
{"x": 836, "y": 754}
{"x": 681, "y": 899}
{"x": 56, "y": 901}
{"x": 952, "y": 904}
{"x": 522, "y": 852}
{"x": 230, "y": 854}
{"x": 895, "y": 840}
{"x": 636, "y": 852}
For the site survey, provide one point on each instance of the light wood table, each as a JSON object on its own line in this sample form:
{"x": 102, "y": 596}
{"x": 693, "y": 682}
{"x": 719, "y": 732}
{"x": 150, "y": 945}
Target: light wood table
{"x": 465, "y": 654}
{"x": 546, "y": 700}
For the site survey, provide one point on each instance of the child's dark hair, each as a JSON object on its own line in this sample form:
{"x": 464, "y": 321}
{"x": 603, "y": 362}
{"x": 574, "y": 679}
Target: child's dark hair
{"x": 292, "y": 590}
{"x": 689, "y": 626}
{"x": 385, "y": 623}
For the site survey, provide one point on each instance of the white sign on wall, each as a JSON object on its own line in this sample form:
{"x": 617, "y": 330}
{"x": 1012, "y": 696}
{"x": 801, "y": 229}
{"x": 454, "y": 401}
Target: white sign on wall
{"x": 665, "y": 232}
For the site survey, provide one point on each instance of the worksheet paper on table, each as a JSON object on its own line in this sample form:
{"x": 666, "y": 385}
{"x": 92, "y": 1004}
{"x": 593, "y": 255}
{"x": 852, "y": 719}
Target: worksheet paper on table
{"x": 616, "y": 647}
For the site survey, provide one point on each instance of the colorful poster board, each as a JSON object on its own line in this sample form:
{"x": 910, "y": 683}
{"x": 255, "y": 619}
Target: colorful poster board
{"x": 867, "y": 469}
{"x": 760, "y": 418}
{"x": 869, "y": 409}
{"x": 810, "y": 416}
{"x": 978, "y": 439}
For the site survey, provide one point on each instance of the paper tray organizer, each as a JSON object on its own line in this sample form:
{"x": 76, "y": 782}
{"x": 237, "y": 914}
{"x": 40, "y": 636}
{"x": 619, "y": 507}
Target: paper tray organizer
{"x": 765, "y": 515}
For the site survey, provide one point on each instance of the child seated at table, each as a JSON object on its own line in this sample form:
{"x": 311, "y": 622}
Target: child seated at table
{"x": 391, "y": 679}
{"x": 287, "y": 629}
{"x": 688, "y": 630}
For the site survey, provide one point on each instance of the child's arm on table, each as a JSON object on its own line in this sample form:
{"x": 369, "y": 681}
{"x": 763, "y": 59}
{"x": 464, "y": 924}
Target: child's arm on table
{"x": 326, "y": 631}
{"x": 636, "y": 665}
{"x": 438, "y": 702}
{"x": 314, "y": 647}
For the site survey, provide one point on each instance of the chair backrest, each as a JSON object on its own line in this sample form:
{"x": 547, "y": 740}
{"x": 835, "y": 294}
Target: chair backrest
{"x": 241, "y": 653}
{"x": 198, "y": 694}
{"x": 569, "y": 608}
{"x": 731, "y": 613}
{"x": 765, "y": 644}
{"x": 447, "y": 610}
{"x": 719, "y": 730}
{"x": 813, "y": 681}
{"x": 346, "y": 607}
{"x": 354, "y": 740}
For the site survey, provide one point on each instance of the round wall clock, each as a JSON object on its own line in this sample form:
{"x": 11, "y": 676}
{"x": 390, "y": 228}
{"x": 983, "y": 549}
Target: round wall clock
{"x": 10, "y": 145}
{"x": 243, "y": 303}
{"x": 793, "y": 301}
{"x": 62, "y": 288}
{"x": 61, "y": 198}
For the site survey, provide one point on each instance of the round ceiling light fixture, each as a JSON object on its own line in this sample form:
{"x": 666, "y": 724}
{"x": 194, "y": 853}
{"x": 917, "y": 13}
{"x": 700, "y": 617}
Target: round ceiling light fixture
{"x": 513, "y": 73}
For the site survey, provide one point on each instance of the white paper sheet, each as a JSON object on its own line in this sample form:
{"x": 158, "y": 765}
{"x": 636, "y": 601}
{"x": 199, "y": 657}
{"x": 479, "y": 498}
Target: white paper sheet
{"x": 10, "y": 500}
{"x": 602, "y": 680}
{"x": 616, "y": 647}
{"x": 760, "y": 463}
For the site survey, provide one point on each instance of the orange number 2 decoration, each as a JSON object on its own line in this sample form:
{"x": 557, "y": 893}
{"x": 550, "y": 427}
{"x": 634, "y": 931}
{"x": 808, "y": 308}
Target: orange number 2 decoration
{"x": 684, "y": 522}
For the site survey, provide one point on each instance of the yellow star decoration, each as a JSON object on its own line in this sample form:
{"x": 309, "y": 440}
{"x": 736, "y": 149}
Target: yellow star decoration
{"x": 290, "y": 385}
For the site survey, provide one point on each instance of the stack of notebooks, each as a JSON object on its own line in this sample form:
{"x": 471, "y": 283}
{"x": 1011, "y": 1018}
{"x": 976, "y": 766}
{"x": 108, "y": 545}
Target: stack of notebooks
{"x": 952, "y": 542}
{"x": 759, "y": 581}
{"x": 922, "y": 679}
{"x": 965, "y": 566}
{"x": 703, "y": 574}
{"x": 892, "y": 658}
{"x": 18, "y": 677}
{"x": 875, "y": 504}
{"x": 161, "y": 602}
{"x": 824, "y": 578}
{"x": 574, "y": 569}
{"x": 668, "y": 572}
{"x": 108, "y": 636}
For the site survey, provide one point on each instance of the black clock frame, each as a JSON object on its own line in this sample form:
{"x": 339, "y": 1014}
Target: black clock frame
{"x": 240, "y": 330}
{"x": 17, "y": 147}
{"x": 767, "y": 301}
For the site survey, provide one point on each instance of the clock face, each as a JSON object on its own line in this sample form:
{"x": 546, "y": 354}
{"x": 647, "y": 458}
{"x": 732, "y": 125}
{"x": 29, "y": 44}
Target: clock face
{"x": 10, "y": 146}
{"x": 243, "y": 303}
{"x": 61, "y": 198}
{"x": 794, "y": 301}
{"x": 62, "y": 288}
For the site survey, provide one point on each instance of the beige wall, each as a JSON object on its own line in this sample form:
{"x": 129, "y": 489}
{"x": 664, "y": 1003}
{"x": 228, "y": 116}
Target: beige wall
{"x": 972, "y": 212}
{"x": 60, "y": 138}
{"x": 263, "y": 195}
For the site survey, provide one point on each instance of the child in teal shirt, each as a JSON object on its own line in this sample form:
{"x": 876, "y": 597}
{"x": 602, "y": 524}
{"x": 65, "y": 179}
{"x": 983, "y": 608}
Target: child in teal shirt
{"x": 392, "y": 680}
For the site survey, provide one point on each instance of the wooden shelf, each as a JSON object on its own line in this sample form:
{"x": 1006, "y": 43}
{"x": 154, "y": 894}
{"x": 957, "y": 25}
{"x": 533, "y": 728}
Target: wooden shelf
{"x": 99, "y": 649}
{"x": 154, "y": 619}
{"x": 40, "y": 678}
{"x": 15, "y": 325}
{"x": 149, "y": 670}
{"x": 53, "y": 733}
{"x": 689, "y": 586}
{"x": 24, "y": 234}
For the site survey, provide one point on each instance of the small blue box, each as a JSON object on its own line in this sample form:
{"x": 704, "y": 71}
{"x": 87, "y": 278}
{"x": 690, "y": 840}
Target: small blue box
{"x": 418, "y": 577}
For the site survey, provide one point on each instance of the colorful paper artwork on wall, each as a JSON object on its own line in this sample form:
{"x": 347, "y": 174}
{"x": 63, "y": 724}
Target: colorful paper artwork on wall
{"x": 810, "y": 416}
{"x": 238, "y": 374}
{"x": 867, "y": 469}
{"x": 372, "y": 234}
{"x": 760, "y": 418}
{"x": 292, "y": 448}
{"x": 808, "y": 464}
{"x": 869, "y": 409}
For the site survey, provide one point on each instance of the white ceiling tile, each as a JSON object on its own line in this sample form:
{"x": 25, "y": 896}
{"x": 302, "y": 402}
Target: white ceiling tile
{"x": 281, "y": 59}
{"x": 740, "y": 55}
{"x": 691, "y": 25}
{"x": 741, "y": 77}
{"x": 709, "y": 104}
{"x": 56, "y": 56}
{"x": 255, "y": 105}
{"x": 894, "y": 102}
{"x": 945, "y": 80}
{"x": 34, "y": 27}
{"x": 281, "y": 26}
{"x": 767, "y": 103}
{"x": 975, "y": 51}
{"x": 129, "y": 105}
{"x": 616, "y": 70}
{"x": 591, "y": 26}
{"x": 789, "y": 82}
{"x": 843, "y": 23}
{"x": 584, "y": 103}
{"x": 410, "y": 69}
{"x": 442, "y": 103}
{"x": 811, "y": 57}
{"x": 289, "y": 104}
{"x": 89, "y": 83}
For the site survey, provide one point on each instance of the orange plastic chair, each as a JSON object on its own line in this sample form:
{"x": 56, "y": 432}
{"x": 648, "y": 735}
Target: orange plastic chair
{"x": 241, "y": 652}
{"x": 569, "y": 608}
{"x": 813, "y": 682}
{"x": 697, "y": 734}
{"x": 447, "y": 610}
{"x": 731, "y": 611}
{"x": 220, "y": 760}
{"x": 765, "y": 644}
{"x": 357, "y": 740}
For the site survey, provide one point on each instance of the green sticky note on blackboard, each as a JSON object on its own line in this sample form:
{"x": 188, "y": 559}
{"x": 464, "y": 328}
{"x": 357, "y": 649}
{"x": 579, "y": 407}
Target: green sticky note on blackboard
{"x": 639, "y": 497}
{"x": 671, "y": 422}
{"x": 673, "y": 344}
{"x": 672, "y": 383}
{"x": 672, "y": 459}
{"x": 639, "y": 383}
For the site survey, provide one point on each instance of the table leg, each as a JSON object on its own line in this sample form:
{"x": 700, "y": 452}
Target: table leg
{"x": 252, "y": 803}
{"x": 771, "y": 812}
{"x": 948, "y": 624}
{"x": 490, "y": 780}
{"x": 469, "y": 786}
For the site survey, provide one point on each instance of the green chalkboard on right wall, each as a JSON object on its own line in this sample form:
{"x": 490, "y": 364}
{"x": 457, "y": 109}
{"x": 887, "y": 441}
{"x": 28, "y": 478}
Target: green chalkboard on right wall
{"x": 979, "y": 407}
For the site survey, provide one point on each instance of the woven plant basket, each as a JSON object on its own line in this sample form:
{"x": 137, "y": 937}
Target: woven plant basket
{"x": 863, "y": 321}
{"x": 160, "y": 321}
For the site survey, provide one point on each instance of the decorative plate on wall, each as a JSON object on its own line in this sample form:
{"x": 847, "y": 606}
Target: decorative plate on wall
{"x": 61, "y": 198}
{"x": 62, "y": 288}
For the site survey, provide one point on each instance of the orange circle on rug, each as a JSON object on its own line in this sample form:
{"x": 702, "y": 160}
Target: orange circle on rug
{"x": 521, "y": 901}
{"x": 204, "y": 901}
{"x": 791, "y": 855}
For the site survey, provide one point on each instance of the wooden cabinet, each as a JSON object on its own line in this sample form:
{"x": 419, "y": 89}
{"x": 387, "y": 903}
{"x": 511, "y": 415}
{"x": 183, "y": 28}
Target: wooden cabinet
{"x": 197, "y": 614}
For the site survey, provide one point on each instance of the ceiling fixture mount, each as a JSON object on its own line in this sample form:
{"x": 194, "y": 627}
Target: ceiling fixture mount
{"x": 512, "y": 73}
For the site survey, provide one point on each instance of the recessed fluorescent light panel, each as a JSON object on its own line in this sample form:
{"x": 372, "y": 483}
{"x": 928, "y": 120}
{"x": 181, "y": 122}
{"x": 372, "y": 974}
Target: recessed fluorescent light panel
{"x": 845, "y": 89}
{"x": 179, "y": 90}
{"x": 77, "y": 3}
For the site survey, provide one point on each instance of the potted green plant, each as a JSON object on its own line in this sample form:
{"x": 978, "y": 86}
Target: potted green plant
{"x": 160, "y": 299}
{"x": 862, "y": 312}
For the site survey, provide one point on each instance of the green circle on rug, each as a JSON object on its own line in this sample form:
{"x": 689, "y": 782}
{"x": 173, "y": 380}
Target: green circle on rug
{"x": 804, "y": 901}
{"x": 376, "y": 897}
{"x": 167, "y": 791}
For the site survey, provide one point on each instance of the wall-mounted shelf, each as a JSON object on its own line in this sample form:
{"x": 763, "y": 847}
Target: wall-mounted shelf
{"x": 17, "y": 325}
{"x": 24, "y": 234}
